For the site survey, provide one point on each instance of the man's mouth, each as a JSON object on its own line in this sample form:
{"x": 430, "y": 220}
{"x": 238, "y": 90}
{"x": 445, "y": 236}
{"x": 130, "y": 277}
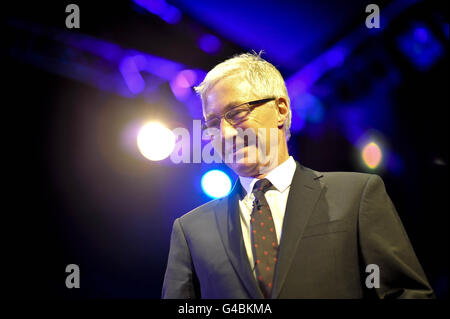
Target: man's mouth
{"x": 240, "y": 147}
{"x": 237, "y": 149}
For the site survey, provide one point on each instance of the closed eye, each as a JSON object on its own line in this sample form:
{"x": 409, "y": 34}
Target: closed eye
{"x": 213, "y": 123}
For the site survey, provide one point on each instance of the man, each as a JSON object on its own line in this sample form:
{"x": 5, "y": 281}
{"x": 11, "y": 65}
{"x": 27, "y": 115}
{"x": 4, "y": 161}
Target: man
{"x": 284, "y": 231}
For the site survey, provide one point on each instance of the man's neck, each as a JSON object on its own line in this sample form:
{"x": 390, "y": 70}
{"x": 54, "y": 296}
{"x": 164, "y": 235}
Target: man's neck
{"x": 283, "y": 156}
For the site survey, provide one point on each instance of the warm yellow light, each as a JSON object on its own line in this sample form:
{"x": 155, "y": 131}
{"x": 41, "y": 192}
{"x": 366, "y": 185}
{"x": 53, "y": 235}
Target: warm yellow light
{"x": 155, "y": 141}
{"x": 372, "y": 155}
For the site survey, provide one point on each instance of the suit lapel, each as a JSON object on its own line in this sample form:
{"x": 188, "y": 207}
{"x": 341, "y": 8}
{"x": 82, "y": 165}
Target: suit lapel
{"x": 303, "y": 195}
{"x": 229, "y": 224}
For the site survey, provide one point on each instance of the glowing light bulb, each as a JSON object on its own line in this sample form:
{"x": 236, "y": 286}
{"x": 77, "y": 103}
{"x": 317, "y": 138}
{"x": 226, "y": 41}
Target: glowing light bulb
{"x": 372, "y": 155}
{"x": 216, "y": 183}
{"x": 155, "y": 141}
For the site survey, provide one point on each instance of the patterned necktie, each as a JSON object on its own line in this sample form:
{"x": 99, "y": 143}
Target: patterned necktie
{"x": 264, "y": 238}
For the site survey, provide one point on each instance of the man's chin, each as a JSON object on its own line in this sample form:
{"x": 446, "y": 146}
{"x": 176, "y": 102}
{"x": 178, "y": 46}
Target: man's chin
{"x": 245, "y": 165}
{"x": 244, "y": 169}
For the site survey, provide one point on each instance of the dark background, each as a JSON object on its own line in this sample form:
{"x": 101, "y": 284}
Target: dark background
{"x": 76, "y": 190}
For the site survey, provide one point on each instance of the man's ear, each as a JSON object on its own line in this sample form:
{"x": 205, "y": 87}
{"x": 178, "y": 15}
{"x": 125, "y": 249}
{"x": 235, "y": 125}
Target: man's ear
{"x": 283, "y": 111}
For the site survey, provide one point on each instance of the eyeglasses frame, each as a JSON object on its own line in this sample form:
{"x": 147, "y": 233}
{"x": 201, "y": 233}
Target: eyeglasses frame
{"x": 251, "y": 105}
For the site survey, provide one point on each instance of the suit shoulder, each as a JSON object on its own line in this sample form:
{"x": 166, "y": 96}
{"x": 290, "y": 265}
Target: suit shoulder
{"x": 339, "y": 178}
{"x": 200, "y": 211}
{"x": 355, "y": 179}
{"x": 347, "y": 176}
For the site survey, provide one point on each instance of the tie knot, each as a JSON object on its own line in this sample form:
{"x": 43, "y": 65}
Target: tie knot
{"x": 262, "y": 186}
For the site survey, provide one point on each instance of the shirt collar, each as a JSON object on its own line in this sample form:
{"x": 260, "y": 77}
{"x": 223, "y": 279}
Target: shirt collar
{"x": 280, "y": 177}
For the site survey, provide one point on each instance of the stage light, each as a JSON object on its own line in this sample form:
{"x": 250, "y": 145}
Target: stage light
{"x": 130, "y": 67}
{"x": 209, "y": 43}
{"x": 421, "y": 46}
{"x": 335, "y": 57}
{"x": 216, "y": 183}
{"x": 161, "y": 8}
{"x": 155, "y": 141}
{"x": 371, "y": 155}
{"x": 181, "y": 84}
{"x": 306, "y": 108}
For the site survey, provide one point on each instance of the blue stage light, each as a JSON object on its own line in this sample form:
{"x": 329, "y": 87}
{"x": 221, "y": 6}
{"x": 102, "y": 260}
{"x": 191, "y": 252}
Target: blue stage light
{"x": 306, "y": 108}
{"x": 421, "y": 46}
{"x": 161, "y": 8}
{"x": 216, "y": 183}
{"x": 209, "y": 43}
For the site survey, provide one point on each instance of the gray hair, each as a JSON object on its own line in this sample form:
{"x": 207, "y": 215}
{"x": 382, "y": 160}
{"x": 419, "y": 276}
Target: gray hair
{"x": 262, "y": 75}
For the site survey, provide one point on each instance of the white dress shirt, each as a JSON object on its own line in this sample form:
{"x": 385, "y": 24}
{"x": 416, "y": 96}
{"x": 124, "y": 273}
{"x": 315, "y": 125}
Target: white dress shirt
{"x": 281, "y": 178}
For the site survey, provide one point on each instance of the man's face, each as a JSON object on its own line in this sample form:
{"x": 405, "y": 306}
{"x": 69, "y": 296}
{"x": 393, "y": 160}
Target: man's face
{"x": 248, "y": 156}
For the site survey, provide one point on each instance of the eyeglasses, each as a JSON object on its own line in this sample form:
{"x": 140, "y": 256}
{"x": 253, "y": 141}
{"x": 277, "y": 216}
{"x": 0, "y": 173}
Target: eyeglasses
{"x": 236, "y": 114}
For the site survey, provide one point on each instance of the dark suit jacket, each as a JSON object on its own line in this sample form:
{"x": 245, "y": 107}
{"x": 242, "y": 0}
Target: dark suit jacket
{"x": 335, "y": 224}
